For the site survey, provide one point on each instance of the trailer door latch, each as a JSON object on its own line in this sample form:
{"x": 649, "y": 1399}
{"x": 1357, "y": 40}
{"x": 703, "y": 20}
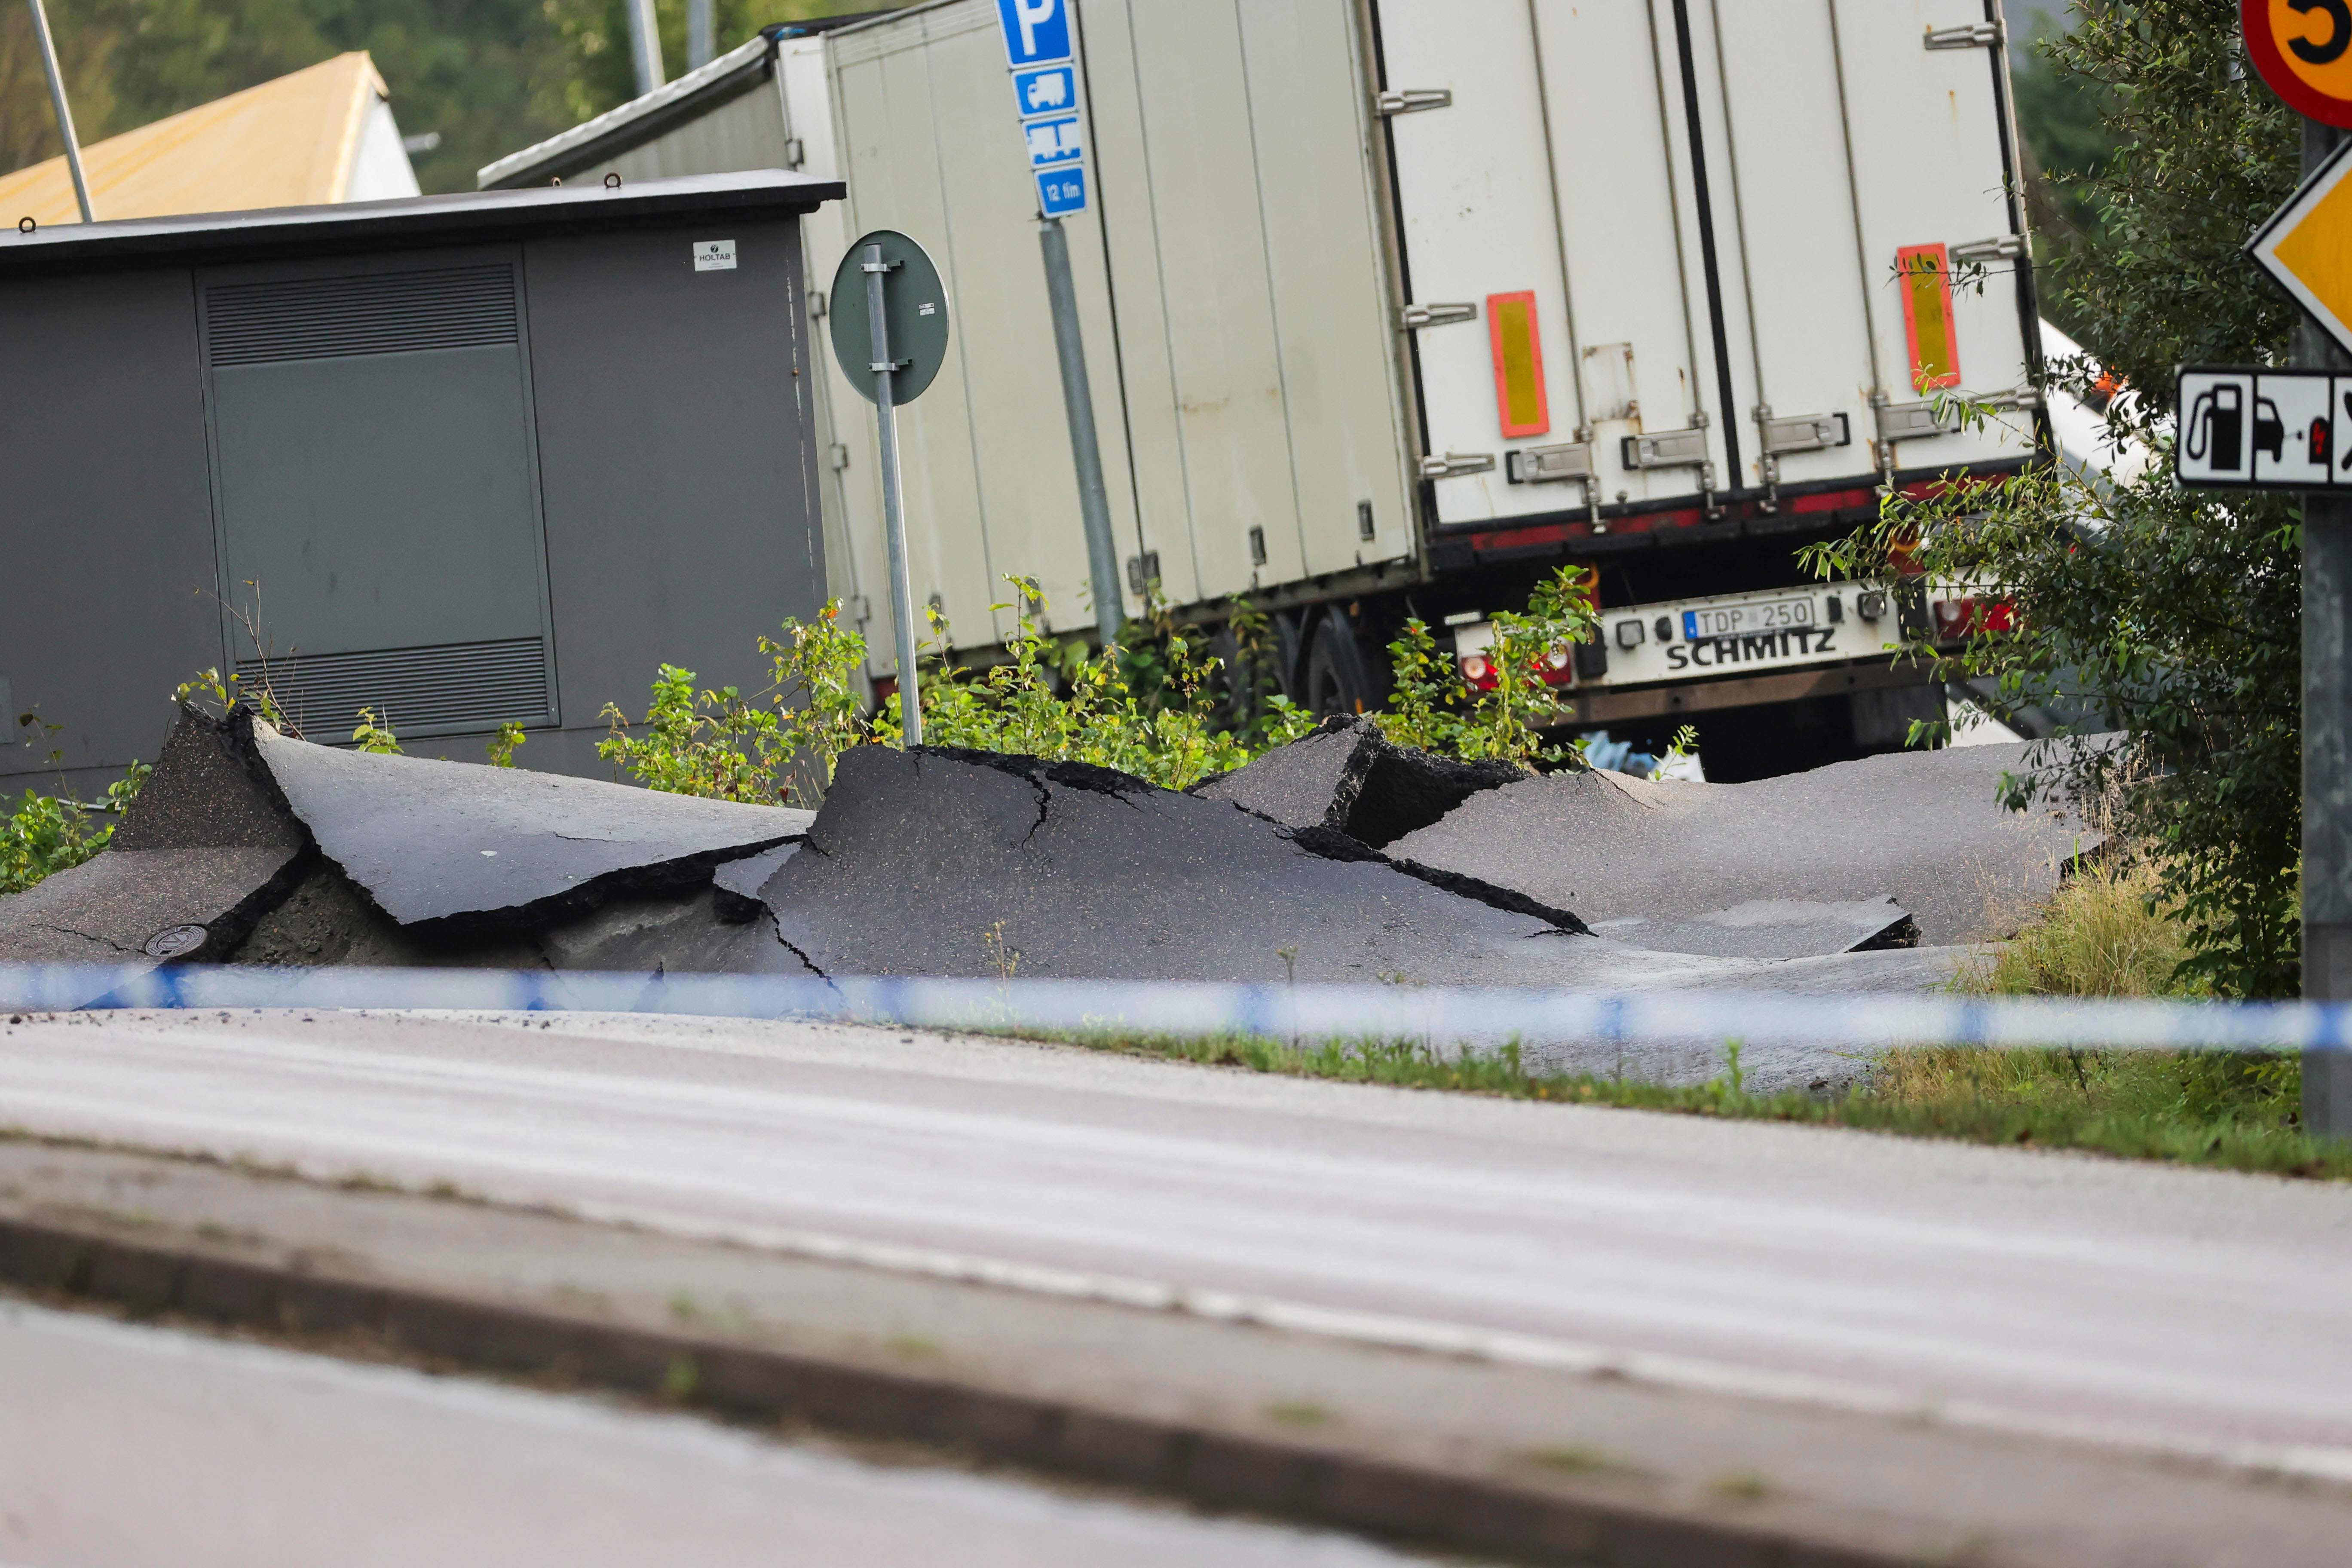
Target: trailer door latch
{"x": 1412, "y": 101}
{"x": 1802, "y": 432}
{"x": 1974, "y": 35}
{"x": 1454, "y": 465}
{"x": 2007, "y": 248}
{"x": 1416, "y": 317}
{"x": 1915, "y": 421}
{"x": 1667, "y": 449}
{"x": 1543, "y": 465}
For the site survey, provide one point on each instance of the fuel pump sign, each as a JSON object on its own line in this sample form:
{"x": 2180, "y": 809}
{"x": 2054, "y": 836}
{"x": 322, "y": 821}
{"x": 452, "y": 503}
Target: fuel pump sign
{"x": 2263, "y": 429}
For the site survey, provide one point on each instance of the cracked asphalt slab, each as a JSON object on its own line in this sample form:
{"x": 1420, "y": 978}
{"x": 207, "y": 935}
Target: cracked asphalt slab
{"x": 1342, "y": 858}
{"x": 202, "y": 854}
{"x": 1925, "y": 828}
{"x": 472, "y": 846}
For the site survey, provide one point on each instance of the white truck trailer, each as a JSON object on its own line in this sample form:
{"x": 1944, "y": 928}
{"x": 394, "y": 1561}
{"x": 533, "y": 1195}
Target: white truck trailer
{"x": 1391, "y": 305}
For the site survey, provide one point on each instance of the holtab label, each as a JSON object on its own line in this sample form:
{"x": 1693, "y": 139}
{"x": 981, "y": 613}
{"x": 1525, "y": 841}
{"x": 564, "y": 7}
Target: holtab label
{"x": 714, "y": 256}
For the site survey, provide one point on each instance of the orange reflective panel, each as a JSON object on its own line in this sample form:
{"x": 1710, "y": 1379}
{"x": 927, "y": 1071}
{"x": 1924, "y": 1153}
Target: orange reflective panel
{"x": 1926, "y": 273}
{"x": 1519, "y": 363}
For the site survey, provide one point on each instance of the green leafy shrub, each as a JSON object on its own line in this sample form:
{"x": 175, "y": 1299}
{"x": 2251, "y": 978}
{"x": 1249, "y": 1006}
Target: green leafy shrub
{"x": 48, "y": 834}
{"x": 776, "y": 748}
{"x": 1146, "y": 706}
{"x": 1156, "y": 703}
{"x": 1431, "y": 707}
{"x": 375, "y": 735}
{"x": 2173, "y": 615}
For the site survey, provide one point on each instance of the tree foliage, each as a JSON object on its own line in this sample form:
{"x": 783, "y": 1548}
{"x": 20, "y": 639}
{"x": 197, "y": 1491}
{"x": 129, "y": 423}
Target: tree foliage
{"x": 490, "y": 76}
{"x": 2174, "y": 615}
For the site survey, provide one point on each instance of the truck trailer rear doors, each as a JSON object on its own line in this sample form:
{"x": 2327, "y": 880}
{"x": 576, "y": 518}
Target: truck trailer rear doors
{"x": 1662, "y": 248}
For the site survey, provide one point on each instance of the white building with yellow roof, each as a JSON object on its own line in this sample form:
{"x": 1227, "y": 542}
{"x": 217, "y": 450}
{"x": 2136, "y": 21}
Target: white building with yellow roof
{"x": 319, "y": 136}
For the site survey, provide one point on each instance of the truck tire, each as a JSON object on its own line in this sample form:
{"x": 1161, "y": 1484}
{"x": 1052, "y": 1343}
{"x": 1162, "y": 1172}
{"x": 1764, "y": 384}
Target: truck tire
{"x": 1336, "y": 679}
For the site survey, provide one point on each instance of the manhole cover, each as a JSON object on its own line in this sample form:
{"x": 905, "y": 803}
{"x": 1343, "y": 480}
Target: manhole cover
{"x": 174, "y": 941}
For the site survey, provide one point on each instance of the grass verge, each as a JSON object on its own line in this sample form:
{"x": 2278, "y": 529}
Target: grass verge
{"x": 2235, "y": 1113}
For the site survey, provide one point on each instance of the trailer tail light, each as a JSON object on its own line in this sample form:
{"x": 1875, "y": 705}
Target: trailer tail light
{"x": 1558, "y": 666}
{"x": 1926, "y": 275}
{"x": 1519, "y": 363}
{"x": 1958, "y": 619}
{"x": 1477, "y": 671}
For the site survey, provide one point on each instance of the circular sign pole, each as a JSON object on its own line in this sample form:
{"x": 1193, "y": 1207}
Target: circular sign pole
{"x": 2303, "y": 49}
{"x": 894, "y": 501}
{"x": 889, "y": 351}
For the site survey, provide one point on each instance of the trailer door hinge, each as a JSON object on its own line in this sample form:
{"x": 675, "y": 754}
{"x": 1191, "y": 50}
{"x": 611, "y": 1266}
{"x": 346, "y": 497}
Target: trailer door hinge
{"x": 2024, "y": 399}
{"x": 838, "y": 455}
{"x": 2007, "y": 248}
{"x": 816, "y": 304}
{"x": 1412, "y": 101}
{"x": 796, "y": 153}
{"x": 1975, "y": 36}
{"x": 1454, "y": 465}
{"x": 1667, "y": 449}
{"x": 1416, "y": 317}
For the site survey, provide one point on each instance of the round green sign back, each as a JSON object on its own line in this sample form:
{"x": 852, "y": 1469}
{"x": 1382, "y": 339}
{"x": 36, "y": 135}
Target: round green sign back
{"x": 914, "y": 308}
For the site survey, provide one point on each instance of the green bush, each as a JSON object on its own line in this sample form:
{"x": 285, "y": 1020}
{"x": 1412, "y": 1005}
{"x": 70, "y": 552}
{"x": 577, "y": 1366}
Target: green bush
{"x": 48, "y": 834}
{"x": 1155, "y": 703}
{"x": 2170, "y": 615}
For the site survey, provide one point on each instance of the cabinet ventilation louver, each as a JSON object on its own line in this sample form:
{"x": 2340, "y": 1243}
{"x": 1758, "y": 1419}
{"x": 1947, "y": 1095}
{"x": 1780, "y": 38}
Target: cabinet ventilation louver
{"x": 375, "y": 313}
{"x": 457, "y": 686}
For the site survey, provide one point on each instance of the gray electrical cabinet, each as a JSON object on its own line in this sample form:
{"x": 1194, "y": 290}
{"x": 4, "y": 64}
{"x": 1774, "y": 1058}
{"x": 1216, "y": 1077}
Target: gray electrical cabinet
{"x": 461, "y": 461}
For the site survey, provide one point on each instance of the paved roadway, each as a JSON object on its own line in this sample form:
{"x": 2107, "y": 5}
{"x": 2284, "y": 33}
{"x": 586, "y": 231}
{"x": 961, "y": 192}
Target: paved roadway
{"x": 2178, "y": 1306}
{"x": 124, "y": 1447}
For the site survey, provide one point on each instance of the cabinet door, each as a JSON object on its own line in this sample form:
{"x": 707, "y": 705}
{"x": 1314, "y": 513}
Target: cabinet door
{"x": 376, "y": 491}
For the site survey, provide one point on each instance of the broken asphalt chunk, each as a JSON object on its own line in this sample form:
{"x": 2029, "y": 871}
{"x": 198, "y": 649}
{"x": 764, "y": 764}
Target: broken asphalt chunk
{"x": 1772, "y": 928}
{"x": 1925, "y": 827}
{"x": 971, "y": 865}
{"x": 201, "y": 854}
{"x": 1346, "y": 776}
{"x": 473, "y": 846}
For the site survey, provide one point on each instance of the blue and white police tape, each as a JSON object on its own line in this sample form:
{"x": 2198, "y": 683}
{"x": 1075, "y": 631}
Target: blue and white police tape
{"x": 1439, "y": 1016}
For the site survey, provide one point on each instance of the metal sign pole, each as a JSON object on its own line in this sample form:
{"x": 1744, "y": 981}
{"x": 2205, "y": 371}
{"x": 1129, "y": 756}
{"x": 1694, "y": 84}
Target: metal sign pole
{"x": 1086, "y": 450}
{"x": 2326, "y": 739}
{"x": 65, "y": 111}
{"x": 894, "y": 509}
{"x": 644, "y": 45}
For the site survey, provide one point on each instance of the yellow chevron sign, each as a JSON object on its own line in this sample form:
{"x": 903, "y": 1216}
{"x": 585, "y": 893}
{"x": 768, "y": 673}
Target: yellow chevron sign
{"x": 2307, "y": 247}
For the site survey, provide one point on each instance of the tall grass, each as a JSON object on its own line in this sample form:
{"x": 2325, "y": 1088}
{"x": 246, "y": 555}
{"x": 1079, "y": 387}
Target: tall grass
{"x": 2105, "y": 933}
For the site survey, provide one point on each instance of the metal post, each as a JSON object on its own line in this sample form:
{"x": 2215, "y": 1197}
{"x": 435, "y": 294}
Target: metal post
{"x": 2326, "y": 744}
{"x": 1094, "y": 500}
{"x": 645, "y": 44}
{"x": 65, "y": 111}
{"x": 894, "y": 505}
{"x": 702, "y": 40}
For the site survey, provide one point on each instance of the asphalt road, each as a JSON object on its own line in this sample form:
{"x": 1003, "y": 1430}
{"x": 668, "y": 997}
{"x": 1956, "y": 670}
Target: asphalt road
{"x": 124, "y": 1447}
{"x": 2176, "y": 1307}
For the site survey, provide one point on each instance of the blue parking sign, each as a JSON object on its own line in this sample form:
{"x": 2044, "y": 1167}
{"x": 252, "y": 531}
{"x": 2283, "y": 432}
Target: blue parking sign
{"x": 1062, "y": 192}
{"x": 1053, "y": 142}
{"x": 1050, "y": 89}
{"x": 1035, "y": 31}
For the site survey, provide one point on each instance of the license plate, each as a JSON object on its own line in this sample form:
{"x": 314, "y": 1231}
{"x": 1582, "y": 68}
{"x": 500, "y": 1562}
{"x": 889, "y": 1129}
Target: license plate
{"x": 1731, "y": 620}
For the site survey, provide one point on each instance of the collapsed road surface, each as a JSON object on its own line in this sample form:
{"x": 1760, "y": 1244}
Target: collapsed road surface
{"x": 1938, "y": 1351}
{"x": 1340, "y": 858}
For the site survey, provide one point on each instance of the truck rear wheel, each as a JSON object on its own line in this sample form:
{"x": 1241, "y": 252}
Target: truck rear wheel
{"x": 1337, "y": 677}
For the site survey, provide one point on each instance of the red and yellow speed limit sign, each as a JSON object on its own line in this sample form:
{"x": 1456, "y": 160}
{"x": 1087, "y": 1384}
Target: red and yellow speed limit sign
{"x": 2303, "y": 49}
